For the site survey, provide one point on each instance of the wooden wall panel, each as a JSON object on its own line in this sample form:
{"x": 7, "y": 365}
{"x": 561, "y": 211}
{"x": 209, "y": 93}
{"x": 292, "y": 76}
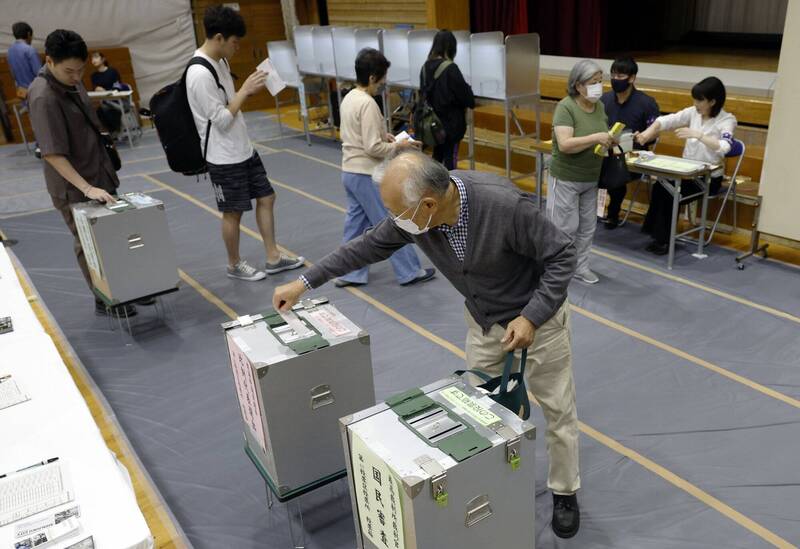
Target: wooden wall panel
{"x": 378, "y": 13}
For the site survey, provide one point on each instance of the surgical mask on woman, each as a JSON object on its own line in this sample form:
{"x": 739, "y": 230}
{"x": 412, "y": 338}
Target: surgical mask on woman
{"x": 594, "y": 92}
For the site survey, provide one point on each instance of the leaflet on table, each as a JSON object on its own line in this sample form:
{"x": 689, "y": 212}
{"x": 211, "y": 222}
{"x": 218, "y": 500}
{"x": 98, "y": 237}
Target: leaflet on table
{"x": 10, "y": 393}
{"x": 274, "y": 82}
{"x": 27, "y": 529}
{"x": 50, "y": 535}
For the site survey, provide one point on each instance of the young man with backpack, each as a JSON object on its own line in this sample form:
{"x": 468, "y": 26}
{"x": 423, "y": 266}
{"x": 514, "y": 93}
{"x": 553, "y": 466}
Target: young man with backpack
{"x": 235, "y": 168}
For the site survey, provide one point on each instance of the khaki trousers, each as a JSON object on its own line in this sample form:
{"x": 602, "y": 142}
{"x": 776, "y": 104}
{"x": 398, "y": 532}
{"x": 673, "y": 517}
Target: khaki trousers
{"x": 548, "y": 376}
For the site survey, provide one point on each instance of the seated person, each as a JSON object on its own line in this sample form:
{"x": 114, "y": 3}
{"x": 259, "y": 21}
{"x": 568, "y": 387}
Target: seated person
{"x": 708, "y": 131}
{"x": 106, "y": 78}
{"x": 637, "y": 110}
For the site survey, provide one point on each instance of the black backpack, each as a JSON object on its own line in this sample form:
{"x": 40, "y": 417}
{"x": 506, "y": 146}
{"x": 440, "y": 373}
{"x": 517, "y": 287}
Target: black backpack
{"x": 172, "y": 117}
{"x": 428, "y": 127}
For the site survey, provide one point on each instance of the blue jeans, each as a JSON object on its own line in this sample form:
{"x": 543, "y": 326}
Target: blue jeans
{"x": 365, "y": 209}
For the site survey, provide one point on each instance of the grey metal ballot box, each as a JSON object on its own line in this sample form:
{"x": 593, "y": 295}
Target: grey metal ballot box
{"x": 128, "y": 247}
{"x": 293, "y": 390}
{"x": 442, "y": 467}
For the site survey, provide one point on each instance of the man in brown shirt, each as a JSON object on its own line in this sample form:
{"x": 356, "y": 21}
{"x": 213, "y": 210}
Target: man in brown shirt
{"x": 77, "y": 167}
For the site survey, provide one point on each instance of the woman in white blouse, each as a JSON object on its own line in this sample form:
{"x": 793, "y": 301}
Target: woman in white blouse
{"x": 708, "y": 131}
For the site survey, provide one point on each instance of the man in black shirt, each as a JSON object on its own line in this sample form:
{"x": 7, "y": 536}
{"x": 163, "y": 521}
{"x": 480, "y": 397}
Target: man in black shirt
{"x": 637, "y": 110}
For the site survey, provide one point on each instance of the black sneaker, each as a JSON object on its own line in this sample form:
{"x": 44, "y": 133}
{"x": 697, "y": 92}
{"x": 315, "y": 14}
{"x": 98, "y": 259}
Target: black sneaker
{"x": 611, "y": 224}
{"x": 424, "y": 277}
{"x": 566, "y": 515}
{"x": 120, "y": 311}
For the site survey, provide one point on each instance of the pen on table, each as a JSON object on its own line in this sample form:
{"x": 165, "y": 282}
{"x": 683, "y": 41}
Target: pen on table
{"x": 45, "y": 462}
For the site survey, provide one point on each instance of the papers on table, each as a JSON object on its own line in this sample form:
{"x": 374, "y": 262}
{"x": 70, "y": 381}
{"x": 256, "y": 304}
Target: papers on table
{"x": 10, "y": 393}
{"x": 671, "y": 164}
{"x": 274, "y": 82}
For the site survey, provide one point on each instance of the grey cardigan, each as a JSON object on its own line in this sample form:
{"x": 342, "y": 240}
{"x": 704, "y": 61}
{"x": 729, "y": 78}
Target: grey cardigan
{"x": 516, "y": 261}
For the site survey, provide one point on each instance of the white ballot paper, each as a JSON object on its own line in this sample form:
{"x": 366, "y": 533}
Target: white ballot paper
{"x": 10, "y": 393}
{"x": 297, "y": 325}
{"x": 274, "y": 82}
{"x": 403, "y": 136}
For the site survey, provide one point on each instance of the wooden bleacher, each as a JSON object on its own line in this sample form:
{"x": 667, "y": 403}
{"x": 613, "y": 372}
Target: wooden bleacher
{"x": 119, "y": 58}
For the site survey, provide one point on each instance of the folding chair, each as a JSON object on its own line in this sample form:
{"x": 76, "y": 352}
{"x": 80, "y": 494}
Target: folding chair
{"x": 725, "y": 192}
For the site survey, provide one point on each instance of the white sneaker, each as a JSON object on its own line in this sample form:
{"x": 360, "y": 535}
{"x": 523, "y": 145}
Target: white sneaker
{"x": 587, "y": 276}
{"x": 244, "y": 271}
{"x": 284, "y": 264}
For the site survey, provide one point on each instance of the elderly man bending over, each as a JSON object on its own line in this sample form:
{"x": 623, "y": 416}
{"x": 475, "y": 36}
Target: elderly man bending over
{"x": 511, "y": 265}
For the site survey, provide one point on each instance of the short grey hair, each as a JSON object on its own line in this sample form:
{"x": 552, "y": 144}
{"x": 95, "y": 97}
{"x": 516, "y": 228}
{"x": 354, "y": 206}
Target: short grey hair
{"x": 581, "y": 72}
{"x": 424, "y": 175}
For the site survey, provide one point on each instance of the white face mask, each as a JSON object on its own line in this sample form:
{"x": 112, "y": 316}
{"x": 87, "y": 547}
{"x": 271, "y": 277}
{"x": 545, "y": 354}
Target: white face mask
{"x": 594, "y": 92}
{"x": 409, "y": 226}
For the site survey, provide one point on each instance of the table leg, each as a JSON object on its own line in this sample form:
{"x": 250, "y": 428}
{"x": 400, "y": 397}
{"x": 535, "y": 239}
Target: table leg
{"x": 471, "y": 114}
{"x": 300, "y": 541}
{"x": 21, "y": 129}
{"x": 673, "y": 230}
{"x": 539, "y": 177}
{"x": 703, "y": 215}
{"x": 125, "y": 122}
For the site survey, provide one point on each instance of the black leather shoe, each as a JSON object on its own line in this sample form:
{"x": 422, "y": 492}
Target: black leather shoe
{"x": 424, "y": 277}
{"x": 611, "y": 224}
{"x": 566, "y": 515}
{"x": 658, "y": 249}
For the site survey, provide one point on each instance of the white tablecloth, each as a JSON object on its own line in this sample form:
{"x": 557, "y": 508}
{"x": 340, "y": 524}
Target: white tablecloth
{"x": 56, "y": 422}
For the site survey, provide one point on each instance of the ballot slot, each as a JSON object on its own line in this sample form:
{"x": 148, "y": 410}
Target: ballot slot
{"x": 435, "y": 425}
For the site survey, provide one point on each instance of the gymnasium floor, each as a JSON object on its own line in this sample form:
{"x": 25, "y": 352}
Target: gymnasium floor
{"x": 688, "y": 381}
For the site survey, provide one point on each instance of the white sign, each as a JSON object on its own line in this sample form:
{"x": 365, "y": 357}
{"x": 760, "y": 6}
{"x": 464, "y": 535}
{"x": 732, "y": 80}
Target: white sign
{"x": 378, "y": 496}
{"x": 330, "y": 321}
{"x": 602, "y": 197}
{"x": 87, "y": 241}
{"x": 244, "y": 379}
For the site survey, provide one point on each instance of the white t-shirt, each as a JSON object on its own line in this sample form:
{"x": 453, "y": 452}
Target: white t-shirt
{"x": 229, "y": 142}
{"x": 721, "y": 127}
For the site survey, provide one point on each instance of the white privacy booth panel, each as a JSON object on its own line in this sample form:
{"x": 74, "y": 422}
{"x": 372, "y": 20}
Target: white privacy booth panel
{"x": 522, "y": 65}
{"x": 419, "y": 46}
{"x": 369, "y": 38}
{"x": 344, "y": 52}
{"x": 463, "y": 52}
{"x": 304, "y": 49}
{"x": 283, "y": 58}
{"x": 488, "y": 65}
{"x": 395, "y": 48}
{"x": 323, "y": 51}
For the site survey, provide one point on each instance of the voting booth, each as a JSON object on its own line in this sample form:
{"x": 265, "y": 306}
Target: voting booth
{"x": 506, "y": 71}
{"x": 443, "y": 466}
{"x": 463, "y": 54}
{"x": 419, "y": 46}
{"x": 128, "y": 248}
{"x": 282, "y": 55}
{"x": 317, "y": 66}
{"x": 395, "y": 48}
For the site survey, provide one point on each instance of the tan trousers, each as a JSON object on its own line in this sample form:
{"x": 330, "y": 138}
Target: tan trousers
{"x": 548, "y": 376}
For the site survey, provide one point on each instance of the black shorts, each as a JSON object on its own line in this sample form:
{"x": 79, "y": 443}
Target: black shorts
{"x": 236, "y": 185}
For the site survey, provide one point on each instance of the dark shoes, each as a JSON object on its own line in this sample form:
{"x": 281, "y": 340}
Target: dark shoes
{"x": 611, "y": 224}
{"x": 118, "y": 311}
{"x": 658, "y": 249}
{"x": 566, "y": 515}
{"x": 341, "y": 283}
{"x": 424, "y": 277}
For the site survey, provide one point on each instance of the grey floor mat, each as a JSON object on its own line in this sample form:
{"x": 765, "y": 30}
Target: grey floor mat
{"x": 171, "y": 388}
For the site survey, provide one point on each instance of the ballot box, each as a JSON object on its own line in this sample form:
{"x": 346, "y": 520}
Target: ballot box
{"x": 443, "y": 466}
{"x": 296, "y": 374}
{"x": 128, "y": 247}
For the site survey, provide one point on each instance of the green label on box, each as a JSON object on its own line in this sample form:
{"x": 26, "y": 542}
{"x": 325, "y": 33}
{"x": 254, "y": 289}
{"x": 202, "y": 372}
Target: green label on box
{"x": 470, "y": 406}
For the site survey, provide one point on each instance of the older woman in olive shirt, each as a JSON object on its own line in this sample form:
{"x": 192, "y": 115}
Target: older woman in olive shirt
{"x": 579, "y": 123}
